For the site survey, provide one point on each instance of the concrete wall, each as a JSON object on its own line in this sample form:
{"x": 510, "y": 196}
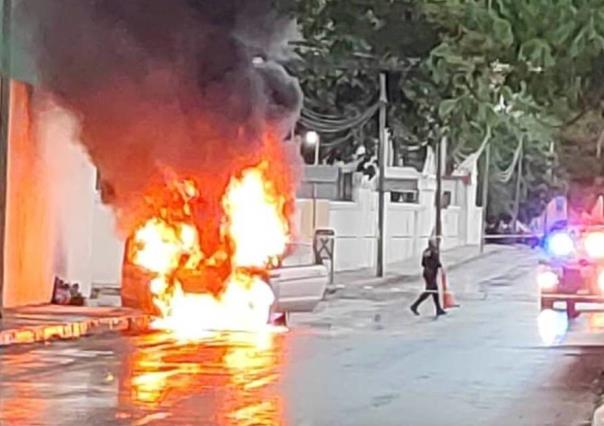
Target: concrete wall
{"x": 107, "y": 247}
{"x": 408, "y": 228}
{"x": 355, "y": 225}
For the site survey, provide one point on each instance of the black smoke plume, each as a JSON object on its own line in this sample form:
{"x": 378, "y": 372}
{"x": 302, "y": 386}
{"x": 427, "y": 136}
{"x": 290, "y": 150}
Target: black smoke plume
{"x": 165, "y": 86}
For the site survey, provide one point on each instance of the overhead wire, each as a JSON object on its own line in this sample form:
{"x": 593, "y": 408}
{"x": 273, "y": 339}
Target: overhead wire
{"x": 311, "y": 120}
{"x": 333, "y": 124}
{"x": 460, "y": 158}
{"x": 504, "y": 176}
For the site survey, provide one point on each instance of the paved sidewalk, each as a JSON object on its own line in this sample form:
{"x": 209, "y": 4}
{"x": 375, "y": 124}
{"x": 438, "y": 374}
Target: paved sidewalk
{"x": 410, "y": 269}
{"x": 50, "y": 322}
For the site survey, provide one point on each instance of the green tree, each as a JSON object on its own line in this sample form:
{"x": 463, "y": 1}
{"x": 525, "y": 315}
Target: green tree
{"x": 346, "y": 44}
{"x": 527, "y": 70}
{"x": 513, "y": 71}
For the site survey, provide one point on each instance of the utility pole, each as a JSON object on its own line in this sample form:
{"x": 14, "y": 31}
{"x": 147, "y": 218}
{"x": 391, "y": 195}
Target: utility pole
{"x": 485, "y": 193}
{"x": 438, "y": 195}
{"x": 518, "y": 186}
{"x": 381, "y": 176}
{"x": 4, "y": 117}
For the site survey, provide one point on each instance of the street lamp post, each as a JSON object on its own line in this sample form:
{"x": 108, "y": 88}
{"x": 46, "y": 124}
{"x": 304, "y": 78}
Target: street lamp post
{"x": 381, "y": 240}
{"x": 518, "y": 187}
{"x": 438, "y": 195}
{"x": 312, "y": 138}
{"x": 485, "y": 194}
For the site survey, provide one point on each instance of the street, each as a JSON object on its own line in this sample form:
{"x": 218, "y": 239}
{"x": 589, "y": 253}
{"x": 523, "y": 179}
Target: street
{"x": 361, "y": 359}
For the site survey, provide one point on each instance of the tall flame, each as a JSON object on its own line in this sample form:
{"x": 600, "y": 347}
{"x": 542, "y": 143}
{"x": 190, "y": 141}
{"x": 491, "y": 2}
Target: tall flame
{"x": 255, "y": 231}
{"x": 255, "y": 220}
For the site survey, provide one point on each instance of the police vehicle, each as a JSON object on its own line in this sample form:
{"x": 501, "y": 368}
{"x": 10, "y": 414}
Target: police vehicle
{"x": 572, "y": 267}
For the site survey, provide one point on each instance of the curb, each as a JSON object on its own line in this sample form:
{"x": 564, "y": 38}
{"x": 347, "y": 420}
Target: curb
{"x": 72, "y": 330}
{"x": 401, "y": 279}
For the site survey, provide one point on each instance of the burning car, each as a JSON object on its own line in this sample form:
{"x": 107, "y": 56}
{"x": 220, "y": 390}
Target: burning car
{"x": 572, "y": 270}
{"x": 295, "y": 289}
{"x": 236, "y": 284}
{"x": 188, "y": 135}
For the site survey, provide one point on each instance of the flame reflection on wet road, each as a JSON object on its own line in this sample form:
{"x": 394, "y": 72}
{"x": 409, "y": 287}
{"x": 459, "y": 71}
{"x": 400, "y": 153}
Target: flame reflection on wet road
{"x": 229, "y": 380}
{"x": 243, "y": 365}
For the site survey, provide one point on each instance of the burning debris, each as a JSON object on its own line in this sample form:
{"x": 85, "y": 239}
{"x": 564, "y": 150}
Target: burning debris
{"x": 183, "y": 107}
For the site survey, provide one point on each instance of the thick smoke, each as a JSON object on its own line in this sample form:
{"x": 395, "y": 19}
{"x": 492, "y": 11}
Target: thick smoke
{"x": 165, "y": 86}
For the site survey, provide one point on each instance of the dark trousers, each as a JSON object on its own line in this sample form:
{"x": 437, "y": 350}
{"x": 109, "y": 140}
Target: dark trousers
{"x": 431, "y": 290}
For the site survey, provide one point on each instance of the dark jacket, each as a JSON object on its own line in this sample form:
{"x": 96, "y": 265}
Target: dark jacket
{"x": 430, "y": 263}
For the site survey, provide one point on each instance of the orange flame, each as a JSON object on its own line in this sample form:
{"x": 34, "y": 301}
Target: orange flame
{"x": 255, "y": 231}
{"x": 256, "y": 223}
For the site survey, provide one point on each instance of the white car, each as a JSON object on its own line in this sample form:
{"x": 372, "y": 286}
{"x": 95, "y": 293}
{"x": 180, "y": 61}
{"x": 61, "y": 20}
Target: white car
{"x": 297, "y": 289}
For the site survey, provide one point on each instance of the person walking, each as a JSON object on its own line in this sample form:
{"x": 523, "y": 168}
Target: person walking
{"x": 430, "y": 264}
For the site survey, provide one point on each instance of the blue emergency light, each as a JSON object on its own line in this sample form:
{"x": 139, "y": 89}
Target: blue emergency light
{"x": 560, "y": 244}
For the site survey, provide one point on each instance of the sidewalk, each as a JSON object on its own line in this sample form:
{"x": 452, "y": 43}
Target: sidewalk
{"x": 410, "y": 269}
{"x": 49, "y": 322}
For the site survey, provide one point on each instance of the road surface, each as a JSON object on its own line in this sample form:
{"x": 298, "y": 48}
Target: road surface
{"x": 362, "y": 359}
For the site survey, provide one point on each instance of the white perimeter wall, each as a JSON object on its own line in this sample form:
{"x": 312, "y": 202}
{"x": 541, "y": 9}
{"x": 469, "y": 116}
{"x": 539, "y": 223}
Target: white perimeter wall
{"x": 408, "y": 228}
{"x": 107, "y": 247}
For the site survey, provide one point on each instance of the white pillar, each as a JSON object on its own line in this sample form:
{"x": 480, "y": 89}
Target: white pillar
{"x": 50, "y": 201}
{"x": 72, "y": 190}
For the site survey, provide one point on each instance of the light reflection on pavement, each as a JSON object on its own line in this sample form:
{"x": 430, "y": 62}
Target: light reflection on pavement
{"x": 242, "y": 364}
{"x": 552, "y": 326}
{"x": 596, "y": 322}
{"x": 230, "y": 380}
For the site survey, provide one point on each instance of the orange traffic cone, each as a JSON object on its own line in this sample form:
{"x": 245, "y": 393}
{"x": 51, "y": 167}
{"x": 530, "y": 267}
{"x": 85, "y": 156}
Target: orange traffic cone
{"x": 448, "y": 300}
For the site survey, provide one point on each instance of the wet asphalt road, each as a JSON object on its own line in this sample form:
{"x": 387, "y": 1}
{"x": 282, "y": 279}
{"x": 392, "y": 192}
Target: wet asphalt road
{"x": 360, "y": 360}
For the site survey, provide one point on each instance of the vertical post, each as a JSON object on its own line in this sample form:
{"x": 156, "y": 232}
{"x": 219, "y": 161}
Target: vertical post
{"x": 4, "y": 117}
{"x": 545, "y": 220}
{"x": 485, "y": 193}
{"x": 312, "y": 138}
{"x": 381, "y": 176}
{"x": 552, "y": 151}
{"x": 314, "y": 207}
{"x": 416, "y": 232}
{"x": 518, "y": 187}
{"x": 438, "y": 195}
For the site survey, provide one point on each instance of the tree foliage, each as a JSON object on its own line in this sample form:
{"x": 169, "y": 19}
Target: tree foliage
{"x": 511, "y": 70}
{"x": 528, "y": 70}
